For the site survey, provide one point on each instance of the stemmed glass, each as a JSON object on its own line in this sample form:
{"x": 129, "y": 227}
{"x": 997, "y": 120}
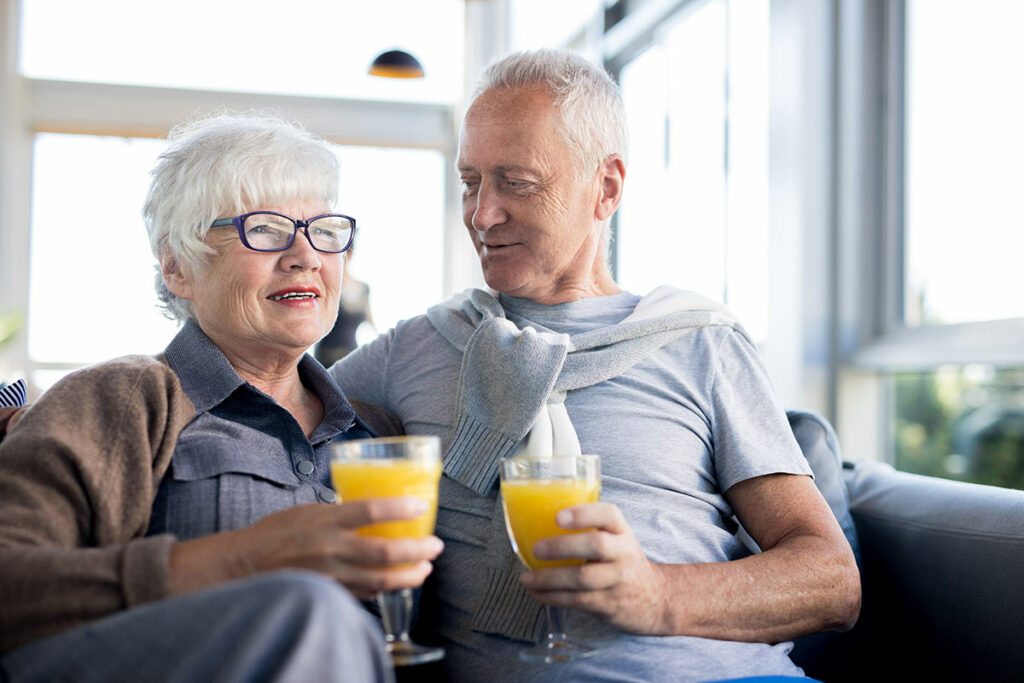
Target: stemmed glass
{"x": 389, "y": 467}
{"x": 533, "y": 490}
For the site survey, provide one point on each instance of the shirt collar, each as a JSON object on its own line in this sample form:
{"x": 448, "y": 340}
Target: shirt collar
{"x": 338, "y": 413}
{"x": 205, "y": 374}
{"x": 208, "y": 378}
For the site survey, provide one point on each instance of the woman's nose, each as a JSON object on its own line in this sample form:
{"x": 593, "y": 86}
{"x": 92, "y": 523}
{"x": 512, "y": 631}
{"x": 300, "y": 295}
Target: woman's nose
{"x": 301, "y": 253}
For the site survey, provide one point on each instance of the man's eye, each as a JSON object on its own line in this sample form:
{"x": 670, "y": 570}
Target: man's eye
{"x": 518, "y": 186}
{"x": 470, "y": 185}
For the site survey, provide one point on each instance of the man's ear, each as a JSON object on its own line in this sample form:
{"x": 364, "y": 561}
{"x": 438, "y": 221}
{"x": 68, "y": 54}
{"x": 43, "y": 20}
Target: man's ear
{"x": 177, "y": 279}
{"x": 612, "y": 176}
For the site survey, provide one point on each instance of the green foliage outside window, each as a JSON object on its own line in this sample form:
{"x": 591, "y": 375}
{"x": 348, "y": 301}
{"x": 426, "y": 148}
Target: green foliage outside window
{"x": 964, "y": 423}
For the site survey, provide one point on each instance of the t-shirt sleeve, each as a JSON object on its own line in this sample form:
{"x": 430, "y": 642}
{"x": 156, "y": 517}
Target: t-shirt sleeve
{"x": 751, "y": 434}
{"x": 362, "y": 374}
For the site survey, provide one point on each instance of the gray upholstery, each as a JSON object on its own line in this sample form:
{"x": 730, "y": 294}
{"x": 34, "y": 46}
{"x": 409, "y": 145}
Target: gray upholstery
{"x": 943, "y": 581}
{"x": 820, "y": 445}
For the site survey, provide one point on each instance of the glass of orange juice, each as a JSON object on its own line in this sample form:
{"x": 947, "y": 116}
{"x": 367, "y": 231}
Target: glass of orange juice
{"x": 383, "y": 468}
{"x": 533, "y": 490}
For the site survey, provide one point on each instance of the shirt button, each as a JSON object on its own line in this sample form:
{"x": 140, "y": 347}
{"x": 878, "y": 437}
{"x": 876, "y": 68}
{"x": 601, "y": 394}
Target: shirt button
{"x": 328, "y": 496}
{"x": 305, "y": 467}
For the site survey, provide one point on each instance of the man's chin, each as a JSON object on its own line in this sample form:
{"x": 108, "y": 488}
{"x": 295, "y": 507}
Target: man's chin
{"x": 513, "y": 284}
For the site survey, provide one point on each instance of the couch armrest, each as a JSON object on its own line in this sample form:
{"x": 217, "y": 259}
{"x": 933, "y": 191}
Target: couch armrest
{"x": 943, "y": 574}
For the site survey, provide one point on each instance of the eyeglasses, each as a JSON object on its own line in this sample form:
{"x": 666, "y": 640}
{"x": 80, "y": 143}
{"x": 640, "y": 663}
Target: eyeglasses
{"x": 270, "y": 231}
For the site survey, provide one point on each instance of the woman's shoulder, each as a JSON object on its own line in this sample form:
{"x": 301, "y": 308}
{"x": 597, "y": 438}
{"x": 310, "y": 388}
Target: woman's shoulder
{"x": 123, "y": 370}
{"x": 137, "y": 380}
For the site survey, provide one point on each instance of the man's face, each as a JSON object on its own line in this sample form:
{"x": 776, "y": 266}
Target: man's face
{"x": 532, "y": 219}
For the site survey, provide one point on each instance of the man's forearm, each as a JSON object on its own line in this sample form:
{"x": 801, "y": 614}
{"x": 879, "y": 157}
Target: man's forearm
{"x": 803, "y": 585}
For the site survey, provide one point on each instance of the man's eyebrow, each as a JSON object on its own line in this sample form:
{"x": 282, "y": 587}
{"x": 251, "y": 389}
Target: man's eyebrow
{"x": 502, "y": 169}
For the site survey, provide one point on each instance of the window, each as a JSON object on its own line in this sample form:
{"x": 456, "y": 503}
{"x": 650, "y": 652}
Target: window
{"x": 964, "y": 143}
{"x": 695, "y": 211}
{"x": 91, "y": 293}
{"x": 88, "y": 146}
{"x": 91, "y": 297}
{"x": 542, "y": 23}
{"x": 397, "y": 198}
{"x": 308, "y": 47}
{"x": 961, "y": 422}
{"x": 958, "y": 411}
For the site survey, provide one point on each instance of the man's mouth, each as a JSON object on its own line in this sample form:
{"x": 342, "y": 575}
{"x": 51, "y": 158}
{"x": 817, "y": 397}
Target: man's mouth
{"x": 498, "y": 245}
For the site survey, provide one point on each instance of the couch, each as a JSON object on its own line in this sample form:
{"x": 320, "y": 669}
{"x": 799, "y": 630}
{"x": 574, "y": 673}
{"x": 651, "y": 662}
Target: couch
{"x": 942, "y": 573}
{"x": 942, "y": 570}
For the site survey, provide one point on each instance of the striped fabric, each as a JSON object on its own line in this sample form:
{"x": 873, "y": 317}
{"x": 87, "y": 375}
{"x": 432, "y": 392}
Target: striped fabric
{"x": 13, "y": 394}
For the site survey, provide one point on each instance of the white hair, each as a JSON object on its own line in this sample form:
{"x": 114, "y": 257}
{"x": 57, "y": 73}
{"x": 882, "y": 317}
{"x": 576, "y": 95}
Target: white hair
{"x": 590, "y": 102}
{"x": 226, "y": 165}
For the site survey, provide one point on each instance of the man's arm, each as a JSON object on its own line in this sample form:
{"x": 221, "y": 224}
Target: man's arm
{"x": 805, "y": 580}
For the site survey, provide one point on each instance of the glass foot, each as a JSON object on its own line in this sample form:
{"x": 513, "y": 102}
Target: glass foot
{"x": 552, "y": 651}
{"x": 408, "y": 653}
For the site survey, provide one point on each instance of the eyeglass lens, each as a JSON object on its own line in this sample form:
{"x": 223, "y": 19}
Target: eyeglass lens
{"x": 269, "y": 232}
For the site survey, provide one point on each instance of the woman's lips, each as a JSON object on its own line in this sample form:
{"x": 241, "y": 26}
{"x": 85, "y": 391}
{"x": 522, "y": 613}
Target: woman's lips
{"x": 296, "y": 294}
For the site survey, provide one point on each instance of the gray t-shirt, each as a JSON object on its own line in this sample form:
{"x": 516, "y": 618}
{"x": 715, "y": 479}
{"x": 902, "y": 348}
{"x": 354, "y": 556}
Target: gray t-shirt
{"x": 674, "y": 432}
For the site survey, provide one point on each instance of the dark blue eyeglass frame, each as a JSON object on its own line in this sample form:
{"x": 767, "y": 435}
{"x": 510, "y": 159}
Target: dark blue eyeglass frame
{"x": 239, "y": 223}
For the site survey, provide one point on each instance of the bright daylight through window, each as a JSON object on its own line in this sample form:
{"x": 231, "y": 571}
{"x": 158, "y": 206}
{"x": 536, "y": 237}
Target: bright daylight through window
{"x": 695, "y": 213}
{"x": 964, "y": 235}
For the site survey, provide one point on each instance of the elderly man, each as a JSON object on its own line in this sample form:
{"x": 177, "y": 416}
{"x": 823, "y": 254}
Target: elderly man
{"x": 666, "y": 388}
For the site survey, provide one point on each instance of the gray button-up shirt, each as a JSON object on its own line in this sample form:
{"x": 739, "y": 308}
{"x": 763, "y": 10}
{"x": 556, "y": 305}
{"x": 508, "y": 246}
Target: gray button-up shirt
{"x": 244, "y": 456}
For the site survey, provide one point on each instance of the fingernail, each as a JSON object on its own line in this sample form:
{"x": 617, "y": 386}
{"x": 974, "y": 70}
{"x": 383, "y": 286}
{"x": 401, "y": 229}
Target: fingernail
{"x": 419, "y": 506}
{"x": 563, "y": 517}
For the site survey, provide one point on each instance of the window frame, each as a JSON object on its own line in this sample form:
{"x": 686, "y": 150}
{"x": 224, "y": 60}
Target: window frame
{"x": 875, "y": 342}
{"x": 52, "y": 106}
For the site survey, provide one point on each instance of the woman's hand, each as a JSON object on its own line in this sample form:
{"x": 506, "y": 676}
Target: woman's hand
{"x": 314, "y": 537}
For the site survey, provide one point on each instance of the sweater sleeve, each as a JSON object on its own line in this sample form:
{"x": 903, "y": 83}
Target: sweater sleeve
{"x": 78, "y": 475}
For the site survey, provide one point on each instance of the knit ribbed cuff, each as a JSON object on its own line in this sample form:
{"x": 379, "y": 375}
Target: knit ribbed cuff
{"x": 507, "y": 608}
{"x": 473, "y": 457}
{"x": 145, "y": 569}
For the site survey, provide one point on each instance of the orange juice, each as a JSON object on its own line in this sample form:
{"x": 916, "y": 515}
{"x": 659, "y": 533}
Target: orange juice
{"x": 530, "y": 507}
{"x": 384, "y": 478}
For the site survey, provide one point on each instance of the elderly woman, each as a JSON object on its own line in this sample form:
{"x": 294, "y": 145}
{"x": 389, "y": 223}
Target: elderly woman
{"x": 146, "y": 503}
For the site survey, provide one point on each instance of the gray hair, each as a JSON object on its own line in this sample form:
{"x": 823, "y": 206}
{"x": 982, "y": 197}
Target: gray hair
{"x": 590, "y": 102}
{"x": 226, "y": 165}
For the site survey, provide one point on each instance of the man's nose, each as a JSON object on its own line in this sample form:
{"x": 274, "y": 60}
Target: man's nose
{"x": 489, "y": 210}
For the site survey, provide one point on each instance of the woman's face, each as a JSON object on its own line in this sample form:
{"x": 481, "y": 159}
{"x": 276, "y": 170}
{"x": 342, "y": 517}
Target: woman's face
{"x": 261, "y": 307}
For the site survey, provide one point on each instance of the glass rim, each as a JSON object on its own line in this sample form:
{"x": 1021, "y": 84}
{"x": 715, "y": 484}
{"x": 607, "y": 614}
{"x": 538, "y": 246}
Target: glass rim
{"x": 583, "y": 466}
{"x": 400, "y": 438}
{"x": 420, "y": 447}
{"x": 556, "y": 456}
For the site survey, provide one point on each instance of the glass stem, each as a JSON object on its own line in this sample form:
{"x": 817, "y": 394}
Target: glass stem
{"x": 396, "y": 613}
{"x": 557, "y": 616}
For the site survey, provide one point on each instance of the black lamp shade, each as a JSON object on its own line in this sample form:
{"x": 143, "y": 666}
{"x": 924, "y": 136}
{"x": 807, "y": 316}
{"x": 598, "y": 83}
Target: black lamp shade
{"x": 396, "y": 64}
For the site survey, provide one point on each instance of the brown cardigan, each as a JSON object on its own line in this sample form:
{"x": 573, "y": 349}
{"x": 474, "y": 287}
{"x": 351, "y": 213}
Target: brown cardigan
{"x": 78, "y": 476}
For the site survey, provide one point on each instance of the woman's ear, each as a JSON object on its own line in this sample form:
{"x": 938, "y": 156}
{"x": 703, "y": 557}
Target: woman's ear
{"x": 178, "y": 280}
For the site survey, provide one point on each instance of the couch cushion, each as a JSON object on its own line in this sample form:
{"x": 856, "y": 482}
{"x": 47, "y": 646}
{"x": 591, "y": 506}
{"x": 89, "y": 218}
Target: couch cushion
{"x": 820, "y": 446}
{"x": 943, "y": 574}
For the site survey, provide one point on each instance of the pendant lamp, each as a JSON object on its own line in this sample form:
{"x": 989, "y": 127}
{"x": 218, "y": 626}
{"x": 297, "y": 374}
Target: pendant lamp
{"x": 396, "y": 64}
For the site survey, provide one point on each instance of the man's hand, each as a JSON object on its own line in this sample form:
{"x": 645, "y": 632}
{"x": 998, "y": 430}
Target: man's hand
{"x": 804, "y": 581}
{"x": 617, "y": 583}
{"x": 314, "y": 537}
